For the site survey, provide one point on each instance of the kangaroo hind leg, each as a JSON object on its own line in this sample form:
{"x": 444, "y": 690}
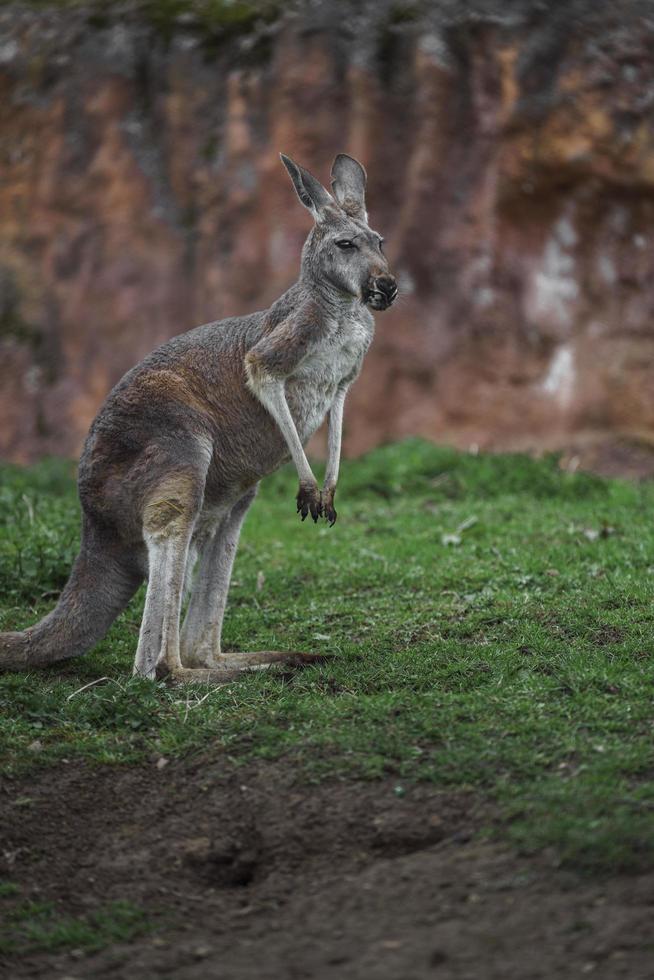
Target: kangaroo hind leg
{"x": 169, "y": 517}
{"x": 202, "y": 630}
{"x": 201, "y": 654}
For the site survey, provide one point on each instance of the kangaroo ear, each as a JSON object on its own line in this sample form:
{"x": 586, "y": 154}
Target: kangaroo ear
{"x": 349, "y": 185}
{"x": 310, "y": 191}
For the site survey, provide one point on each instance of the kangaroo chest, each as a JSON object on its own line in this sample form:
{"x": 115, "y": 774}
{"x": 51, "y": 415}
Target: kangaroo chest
{"x": 311, "y": 388}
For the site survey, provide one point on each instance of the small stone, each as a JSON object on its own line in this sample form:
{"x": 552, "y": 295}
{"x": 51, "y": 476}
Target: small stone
{"x": 162, "y": 762}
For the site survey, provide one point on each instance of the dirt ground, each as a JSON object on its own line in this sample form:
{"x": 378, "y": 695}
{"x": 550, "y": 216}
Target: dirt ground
{"x": 631, "y": 459}
{"x": 252, "y": 872}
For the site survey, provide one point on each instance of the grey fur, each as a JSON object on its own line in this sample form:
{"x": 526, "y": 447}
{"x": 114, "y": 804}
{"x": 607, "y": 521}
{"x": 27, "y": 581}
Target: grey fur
{"x": 173, "y": 459}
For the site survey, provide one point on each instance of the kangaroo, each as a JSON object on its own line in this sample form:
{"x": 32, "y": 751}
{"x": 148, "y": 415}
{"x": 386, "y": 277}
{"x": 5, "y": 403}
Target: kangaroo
{"x": 174, "y": 457}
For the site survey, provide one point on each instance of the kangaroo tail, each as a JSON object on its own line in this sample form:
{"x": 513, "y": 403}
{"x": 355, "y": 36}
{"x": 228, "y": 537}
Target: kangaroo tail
{"x": 101, "y": 584}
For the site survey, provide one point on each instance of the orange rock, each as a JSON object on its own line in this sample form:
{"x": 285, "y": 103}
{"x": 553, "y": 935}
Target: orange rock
{"x": 511, "y": 173}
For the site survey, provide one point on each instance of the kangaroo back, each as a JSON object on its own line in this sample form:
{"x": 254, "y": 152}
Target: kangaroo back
{"x": 101, "y": 584}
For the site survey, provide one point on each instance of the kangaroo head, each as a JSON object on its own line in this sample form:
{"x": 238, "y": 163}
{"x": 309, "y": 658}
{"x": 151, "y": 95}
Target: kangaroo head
{"x": 341, "y": 249}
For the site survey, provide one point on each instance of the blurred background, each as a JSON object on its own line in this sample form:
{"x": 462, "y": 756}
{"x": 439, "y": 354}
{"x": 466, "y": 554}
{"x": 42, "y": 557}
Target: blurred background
{"x": 510, "y": 154}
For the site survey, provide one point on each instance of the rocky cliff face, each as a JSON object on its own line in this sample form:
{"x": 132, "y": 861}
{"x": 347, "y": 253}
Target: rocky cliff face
{"x": 510, "y": 153}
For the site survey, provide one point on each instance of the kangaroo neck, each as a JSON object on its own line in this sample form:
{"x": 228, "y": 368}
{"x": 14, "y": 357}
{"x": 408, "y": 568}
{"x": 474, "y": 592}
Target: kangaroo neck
{"x": 335, "y": 302}
{"x": 319, "y": 295}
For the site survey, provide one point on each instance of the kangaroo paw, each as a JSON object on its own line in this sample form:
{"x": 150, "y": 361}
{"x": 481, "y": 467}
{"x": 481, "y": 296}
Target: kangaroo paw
{"x": 328, "y": 511}
{"x": 309, "y": 501}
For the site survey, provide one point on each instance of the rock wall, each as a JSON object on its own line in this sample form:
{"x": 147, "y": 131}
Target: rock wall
{"x": 510, "y": 152}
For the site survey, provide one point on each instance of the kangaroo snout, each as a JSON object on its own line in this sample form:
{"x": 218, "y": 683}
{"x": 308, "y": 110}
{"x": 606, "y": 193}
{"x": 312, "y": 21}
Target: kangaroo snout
{"x": 380, "y": 292}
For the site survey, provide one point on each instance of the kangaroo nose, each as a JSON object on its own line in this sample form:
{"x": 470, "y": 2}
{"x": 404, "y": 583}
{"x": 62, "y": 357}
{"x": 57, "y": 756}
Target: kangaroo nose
{"x": 387, "y": 285}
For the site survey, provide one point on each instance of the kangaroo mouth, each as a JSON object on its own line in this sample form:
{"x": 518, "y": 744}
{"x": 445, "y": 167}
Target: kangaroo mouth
{"x": 377, "y": 299}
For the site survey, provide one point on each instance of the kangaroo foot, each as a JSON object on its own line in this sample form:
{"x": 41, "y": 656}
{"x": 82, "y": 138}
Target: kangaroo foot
{"x": 230, "y": 666}
{"x": 309, "y": 501}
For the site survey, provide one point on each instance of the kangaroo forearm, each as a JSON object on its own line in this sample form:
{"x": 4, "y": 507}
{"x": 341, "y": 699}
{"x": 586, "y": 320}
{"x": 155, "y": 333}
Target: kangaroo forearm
{"x": 270, "y": 392}
{"x": 334, "y": 435}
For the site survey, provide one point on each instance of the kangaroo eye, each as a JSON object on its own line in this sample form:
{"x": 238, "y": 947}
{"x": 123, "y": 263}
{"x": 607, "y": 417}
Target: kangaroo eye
{"x": 381, "y": 242}
{"x": 345, "y": 244}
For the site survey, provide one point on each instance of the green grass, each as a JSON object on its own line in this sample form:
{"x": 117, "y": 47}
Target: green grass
{"x": 493, "y": 629}
{"x": 30, "y": 927}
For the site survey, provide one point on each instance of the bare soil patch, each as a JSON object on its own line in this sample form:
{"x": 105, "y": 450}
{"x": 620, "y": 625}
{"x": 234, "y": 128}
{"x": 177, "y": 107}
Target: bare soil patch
{"x": 631, "y": 459}
{"x": 251, "y": 871}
